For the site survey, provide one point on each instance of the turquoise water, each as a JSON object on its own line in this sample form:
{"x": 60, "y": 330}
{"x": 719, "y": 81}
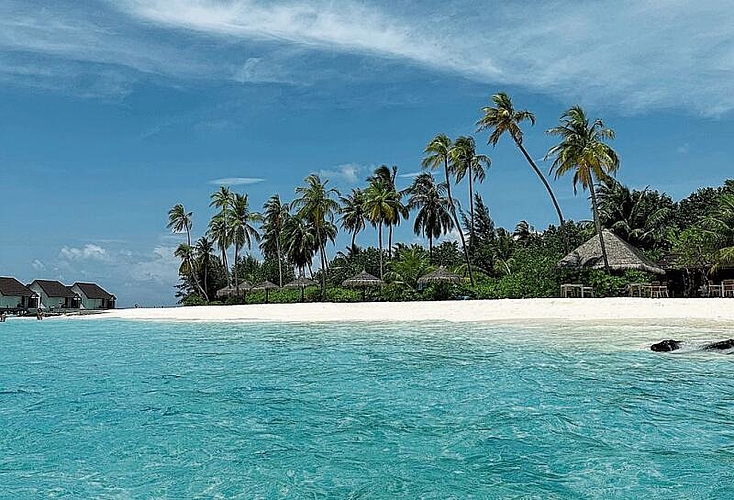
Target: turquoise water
{"x": 108, "y": 409}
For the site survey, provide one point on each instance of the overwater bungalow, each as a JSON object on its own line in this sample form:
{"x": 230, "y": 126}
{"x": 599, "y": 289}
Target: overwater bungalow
{"x": 53, "y": 295}
{"x": 15, "y": 296}
{"x": 93, "y": 296}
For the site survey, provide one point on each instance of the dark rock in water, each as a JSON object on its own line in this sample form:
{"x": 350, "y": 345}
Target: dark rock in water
{"x": 720, "y": 346}
{"x": 666, "y": 346}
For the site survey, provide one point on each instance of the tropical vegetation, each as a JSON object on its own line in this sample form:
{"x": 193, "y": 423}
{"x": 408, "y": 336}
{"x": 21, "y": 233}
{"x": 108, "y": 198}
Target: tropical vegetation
{"x": 693, "y": 238}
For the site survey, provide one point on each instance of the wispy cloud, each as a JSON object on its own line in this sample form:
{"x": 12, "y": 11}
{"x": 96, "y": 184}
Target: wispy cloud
{"x": 592, "y": 52}
{"x": 411, "y": 175}
{"x": 236, "y": 181}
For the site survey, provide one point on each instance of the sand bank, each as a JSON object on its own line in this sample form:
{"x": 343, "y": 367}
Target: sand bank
{"x": 662, "y": 311}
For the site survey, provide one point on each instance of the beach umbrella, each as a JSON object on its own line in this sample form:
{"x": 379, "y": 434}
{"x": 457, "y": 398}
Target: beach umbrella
{"x": 440, "y": 275}
{"x": 266, "y": 286}
{"x": 363, "y": 280}
{"x": 231, "y": 291}
{"x": 301, "y": 283}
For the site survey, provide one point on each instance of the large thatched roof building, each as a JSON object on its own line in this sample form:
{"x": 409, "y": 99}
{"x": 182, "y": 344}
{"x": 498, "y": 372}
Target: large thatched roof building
{"x": 622, "y": 256}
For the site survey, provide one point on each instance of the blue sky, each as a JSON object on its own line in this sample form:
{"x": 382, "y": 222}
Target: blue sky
{"x": 113, "y": 111}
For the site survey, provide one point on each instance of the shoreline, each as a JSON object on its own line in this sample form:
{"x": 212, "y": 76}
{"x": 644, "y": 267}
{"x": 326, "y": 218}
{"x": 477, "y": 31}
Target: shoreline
{"x": 717, "y": 311}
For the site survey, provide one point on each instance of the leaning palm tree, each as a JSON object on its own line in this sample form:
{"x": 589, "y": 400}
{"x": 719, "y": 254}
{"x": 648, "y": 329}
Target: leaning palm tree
{"x": 204, "y": 255}
{"x": 188, "y": 267}
{"x": 275, "y": 215}
{"x": 243, "y": 232}
{"x": 466, "y": 162}
{"x": 316, "y": 204}
{"x": 219, "y": 224}
{"x": 352, "y": 213}
{"x": 582, "y": 150}
{"x": 433, "y": 219}
{"x": 502, "y": 118}
{"x": 179, "y": 221}
{"x": 438, "y": 155}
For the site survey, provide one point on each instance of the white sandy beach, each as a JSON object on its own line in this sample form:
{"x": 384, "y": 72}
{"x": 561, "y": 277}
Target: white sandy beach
{"x": 652, "y": 311}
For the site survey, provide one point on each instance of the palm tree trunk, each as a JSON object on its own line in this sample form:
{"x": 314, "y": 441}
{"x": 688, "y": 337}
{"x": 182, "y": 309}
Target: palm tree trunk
{"x": 597, "y": 222}
{"x": 191, "y": 266}
{"x": 389, "y": 242}
{"x": 456, "y": 221}
{"x": 234, "y": 270}
{"x": 354, "y": 236}
{"x": 280, "y": 262}
{"x": 471, "y": 210}
{"x": 323, "y": 269}
{"x": 430, "y": 248}
{"x": 543, "y": 179}
{"x": 225, "y": 264}
{"x": 379, "y": 232}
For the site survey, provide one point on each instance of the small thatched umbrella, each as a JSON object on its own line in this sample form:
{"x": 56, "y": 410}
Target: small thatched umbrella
{"x": 301, "y": 283}
{"x": 440, "y": 275}
{"x": 231, "y": 291}
{"x": 621, "y": 255}
{"x": 227, "y": 291}
{"x": 267, "y": 286}
{"x": 363, "y": 280}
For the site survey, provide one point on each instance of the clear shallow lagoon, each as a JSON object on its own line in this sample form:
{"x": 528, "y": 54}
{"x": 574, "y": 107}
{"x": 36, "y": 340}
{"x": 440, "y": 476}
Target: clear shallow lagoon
{"x": 113, "y": 409}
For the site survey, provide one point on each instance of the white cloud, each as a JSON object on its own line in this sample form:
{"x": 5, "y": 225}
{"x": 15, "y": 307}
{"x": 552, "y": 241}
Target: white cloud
{"x": 684, "y": 149}
{"x": 350, "y": 173}
{"x": 161, "y": 267}
{"x": 627, "y": 51}
{"x": 411, "y": 175}
{"x": 631, "y": 54}
{"x": 38, "y": 265}
{"x": 88, "y": 252}
{"x": 236, "y": 181}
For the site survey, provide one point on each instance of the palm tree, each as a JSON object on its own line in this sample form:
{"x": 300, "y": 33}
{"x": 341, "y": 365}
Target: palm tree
{"x": 219, "y": 231}
{"x": 275, "y": 215}
{"x": 300, "y": 242}
{"x": 380, "y": 207}
{"x": 179, "y": 221}
{"x": 437, "y": 155}
{"x": 721, "y": 225}
{"x": 204, "y": 255}
{"x": 317, "y": 206}
{"x": 466, "y": 162}
{"x": 242, "y": 230}
{"x": 385, "y": 175}
{"x": 433, "y": 219}
{"x": 582, "y": 150}
{"x": 352, "y": 213}
{"x": 219, "y": 224}
{"x": 638, "y": 217}
{"x": 502, "y": 118}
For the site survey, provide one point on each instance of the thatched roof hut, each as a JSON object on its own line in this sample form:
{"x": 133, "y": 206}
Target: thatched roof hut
{"x": 362, "y": 280}
{"x": 440, "y": 275}
{"x": 621, "y": 255}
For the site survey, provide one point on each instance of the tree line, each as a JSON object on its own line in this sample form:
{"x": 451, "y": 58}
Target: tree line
{"x": 293, "y": 236}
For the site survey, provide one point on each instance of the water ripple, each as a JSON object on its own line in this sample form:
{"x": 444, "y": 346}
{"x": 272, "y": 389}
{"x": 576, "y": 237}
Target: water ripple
{"x": 92, "y": 409}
